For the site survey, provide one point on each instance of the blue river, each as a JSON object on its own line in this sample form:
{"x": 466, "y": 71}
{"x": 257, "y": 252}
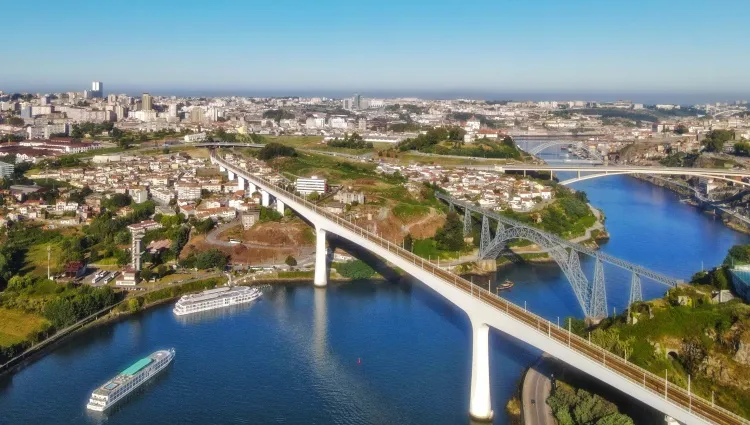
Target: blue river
{"x": 362, "y": 353}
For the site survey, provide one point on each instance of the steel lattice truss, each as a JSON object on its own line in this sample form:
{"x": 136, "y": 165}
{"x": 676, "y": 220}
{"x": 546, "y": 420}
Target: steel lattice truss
{"x": 591, "y": 297}
{"x": 598, "y": 306}
{"x": 636, "y": 293}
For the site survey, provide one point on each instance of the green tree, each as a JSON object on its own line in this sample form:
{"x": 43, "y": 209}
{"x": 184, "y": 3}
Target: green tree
{"x": 450, "y": 237}
{"x": 213, "y": 258}
{"x": 408, "y": 242}
{"x": 147, "y": 274}
{"x": 290, "y": 261}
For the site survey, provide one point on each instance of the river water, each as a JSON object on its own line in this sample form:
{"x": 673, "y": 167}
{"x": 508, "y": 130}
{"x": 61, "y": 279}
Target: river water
{"x": 363, "y": 353}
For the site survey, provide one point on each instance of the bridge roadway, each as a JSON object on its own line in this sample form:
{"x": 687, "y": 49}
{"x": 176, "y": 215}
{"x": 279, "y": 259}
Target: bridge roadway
{"x": 486, "y": 309}
{"x": 610, "y": 170}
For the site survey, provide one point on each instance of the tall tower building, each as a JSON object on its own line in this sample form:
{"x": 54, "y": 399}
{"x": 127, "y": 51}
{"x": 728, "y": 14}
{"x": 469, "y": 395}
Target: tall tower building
{"x": 135, "y": 249}
{"x": 97, "y": 89}
{"x": 146, "y": 102}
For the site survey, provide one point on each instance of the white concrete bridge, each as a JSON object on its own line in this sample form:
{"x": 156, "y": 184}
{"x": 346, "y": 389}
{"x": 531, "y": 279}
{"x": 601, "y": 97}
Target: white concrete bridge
{"x": 486, "y": 310}
{"x": 592, "y": 172}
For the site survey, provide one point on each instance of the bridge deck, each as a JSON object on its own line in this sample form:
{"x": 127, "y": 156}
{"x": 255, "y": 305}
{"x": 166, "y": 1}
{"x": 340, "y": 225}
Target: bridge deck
{"x": 643, "y": 378}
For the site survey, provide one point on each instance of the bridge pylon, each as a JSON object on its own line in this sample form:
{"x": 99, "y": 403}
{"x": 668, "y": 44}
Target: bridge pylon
{"x": 480, "y": 404}
{"x": 598, "y": 306}
{"x": 636, "y": 293}
{"x": 467, "y": 222}
{"x": 321, "y": 262}
{"x": 486, "y": 239}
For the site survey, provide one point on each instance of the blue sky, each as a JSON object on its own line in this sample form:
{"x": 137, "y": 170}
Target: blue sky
{"x": 483, "y": 46}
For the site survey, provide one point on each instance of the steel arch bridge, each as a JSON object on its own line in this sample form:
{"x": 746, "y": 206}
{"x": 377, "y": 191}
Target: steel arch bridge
{"x": 591, "y": 296}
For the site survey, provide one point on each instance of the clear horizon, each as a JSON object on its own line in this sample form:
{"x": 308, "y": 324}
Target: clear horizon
{"x": 540, "y": 46}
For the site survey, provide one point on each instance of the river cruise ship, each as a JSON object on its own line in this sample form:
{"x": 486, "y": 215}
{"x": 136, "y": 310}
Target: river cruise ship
{"x": 215, "y": 298}
{"x": 128, "y": 380}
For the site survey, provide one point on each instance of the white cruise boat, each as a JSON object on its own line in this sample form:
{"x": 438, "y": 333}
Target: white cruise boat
{"x": 129, "y": 379}
{"x": 215, "y": 298}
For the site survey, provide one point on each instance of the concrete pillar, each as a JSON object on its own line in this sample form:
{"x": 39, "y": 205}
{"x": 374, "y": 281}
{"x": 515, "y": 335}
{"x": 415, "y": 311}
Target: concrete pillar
{"x": 222, "y": 168}
{"x": 241, "y": 183}
{"x": 265, "y": 198}
{"x": 231, "y": 175}
{"x": 321, "y": 265}
{"x": 251, "y": 188}
{"x": 480, "y": 405}
{"x": 280, "y": 206}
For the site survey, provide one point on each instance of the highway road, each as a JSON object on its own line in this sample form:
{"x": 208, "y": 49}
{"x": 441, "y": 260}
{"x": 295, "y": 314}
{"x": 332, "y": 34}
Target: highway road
{"x": 536, "y": 388}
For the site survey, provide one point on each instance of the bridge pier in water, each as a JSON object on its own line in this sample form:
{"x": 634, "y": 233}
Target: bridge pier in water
{"x": 480, "y": 404}
{"x": 321, "y": 263}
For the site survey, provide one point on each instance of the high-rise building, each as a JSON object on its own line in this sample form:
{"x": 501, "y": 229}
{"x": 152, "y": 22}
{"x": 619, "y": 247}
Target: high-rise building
{"x": 112, "y": 99}
{"x": 146, "y": 102}
{"x": 357, "y": 101}
{"x": 97, "y": 89}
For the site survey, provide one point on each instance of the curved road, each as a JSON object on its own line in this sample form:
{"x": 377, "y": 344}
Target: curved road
{"x": 536, "y": 388}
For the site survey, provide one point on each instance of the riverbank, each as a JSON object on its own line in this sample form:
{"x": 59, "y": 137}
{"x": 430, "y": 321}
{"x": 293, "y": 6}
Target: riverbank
{"x": 728, "y": 219}
{"x": 120, "y": 311}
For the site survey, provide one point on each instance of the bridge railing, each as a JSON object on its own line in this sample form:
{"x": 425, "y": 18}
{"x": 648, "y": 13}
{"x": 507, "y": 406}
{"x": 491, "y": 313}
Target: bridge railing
{"x": 678, "y": 396}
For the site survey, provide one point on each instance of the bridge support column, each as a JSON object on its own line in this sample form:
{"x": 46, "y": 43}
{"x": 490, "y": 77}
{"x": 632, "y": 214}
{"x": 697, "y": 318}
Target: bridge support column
{"x": 231, "y": 175}
{"x": 241, "y": 183}
{"x": 265, "y": 198}
{"x": 480, "y": 405}
{"x": 251, "y": 188}
{"x": 280, "y": 206}
{"x": 222, "y": 168}
{"x": 321, "y": 265}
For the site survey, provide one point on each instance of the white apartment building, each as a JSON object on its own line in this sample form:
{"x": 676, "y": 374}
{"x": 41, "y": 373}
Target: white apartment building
{"x": 6, "y": 170}
{"x": 161, "y": 195}
{"x": 314, "y": 184}
{"x": 193, "y": 138}
{"x": 188, "y": 191}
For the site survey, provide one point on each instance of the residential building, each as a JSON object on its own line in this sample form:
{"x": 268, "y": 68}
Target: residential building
{"x": 250, "y": 217}
{"x": 146, "y": 102}
{"x": 306, "y": 186}
{"x": 193, "y": 138}
{"x": 6, "y": 170}
{"x": 188, "y": 191}
{"x": 97, "y": 89}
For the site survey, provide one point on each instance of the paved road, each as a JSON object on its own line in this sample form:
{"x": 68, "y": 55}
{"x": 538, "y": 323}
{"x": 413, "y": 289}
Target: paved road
{"x": 536, "y": 388}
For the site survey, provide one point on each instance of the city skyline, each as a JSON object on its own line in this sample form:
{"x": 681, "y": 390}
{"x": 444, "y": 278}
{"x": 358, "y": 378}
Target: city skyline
{"x": 536, "y": 48}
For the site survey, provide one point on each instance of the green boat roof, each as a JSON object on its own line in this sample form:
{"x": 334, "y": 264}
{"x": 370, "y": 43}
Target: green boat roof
{"x": 135, "y": 367}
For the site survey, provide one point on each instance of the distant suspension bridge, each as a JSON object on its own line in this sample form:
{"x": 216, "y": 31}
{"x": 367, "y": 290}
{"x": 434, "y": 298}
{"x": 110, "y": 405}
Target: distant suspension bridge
{"x": 592, "y": 295}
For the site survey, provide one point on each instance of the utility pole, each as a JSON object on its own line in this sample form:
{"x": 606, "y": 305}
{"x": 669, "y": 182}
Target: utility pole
{"x": 49, "y": 250}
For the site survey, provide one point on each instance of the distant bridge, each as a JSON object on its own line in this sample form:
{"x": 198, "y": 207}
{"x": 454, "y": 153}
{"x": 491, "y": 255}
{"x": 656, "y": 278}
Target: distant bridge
{"x": 586, "y": 173}
{"x": 591, "y": 297}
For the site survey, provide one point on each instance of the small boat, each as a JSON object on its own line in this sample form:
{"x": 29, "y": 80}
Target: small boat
{"x": 505, "y": 285}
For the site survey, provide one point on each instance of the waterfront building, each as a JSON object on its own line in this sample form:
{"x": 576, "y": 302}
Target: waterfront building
{"x": 306, "y": 186}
